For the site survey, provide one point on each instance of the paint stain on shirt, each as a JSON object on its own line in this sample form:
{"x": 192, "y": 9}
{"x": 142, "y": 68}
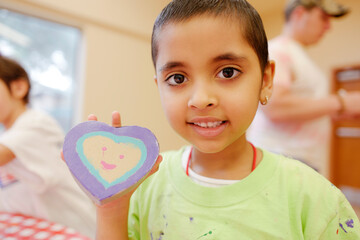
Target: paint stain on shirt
{"x": 208, "y": 233}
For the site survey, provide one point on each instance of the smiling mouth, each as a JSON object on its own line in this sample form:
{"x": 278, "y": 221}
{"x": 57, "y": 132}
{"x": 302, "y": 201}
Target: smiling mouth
{"x": 209, "y": 129}
{"x": 208, "y": 124}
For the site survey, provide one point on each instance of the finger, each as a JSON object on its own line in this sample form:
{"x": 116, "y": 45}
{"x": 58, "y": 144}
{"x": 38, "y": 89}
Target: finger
{"x": 92, "y": 117}
{"x": 116, "y": 120}
{"x": 62, "y": 155}
{"x": 156, "y": 165}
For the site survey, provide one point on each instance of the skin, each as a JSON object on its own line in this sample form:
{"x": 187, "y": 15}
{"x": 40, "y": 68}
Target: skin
{"x": 11, "y": 107}
{"x": 308, "y": 27}
{"x": 199, "y": 86}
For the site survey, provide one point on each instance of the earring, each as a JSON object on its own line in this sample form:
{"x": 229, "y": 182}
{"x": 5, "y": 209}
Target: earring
{"x": 264, "y": 102}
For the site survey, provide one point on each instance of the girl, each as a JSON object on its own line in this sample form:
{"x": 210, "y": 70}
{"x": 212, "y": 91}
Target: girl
{"x": 212, "y": 69}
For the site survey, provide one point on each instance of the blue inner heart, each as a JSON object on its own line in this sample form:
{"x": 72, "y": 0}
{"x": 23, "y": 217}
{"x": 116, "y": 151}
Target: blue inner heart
{"x": 117, "y": 139}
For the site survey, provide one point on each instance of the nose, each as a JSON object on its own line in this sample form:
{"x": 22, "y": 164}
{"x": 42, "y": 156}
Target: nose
{"x": 202, "y": 97}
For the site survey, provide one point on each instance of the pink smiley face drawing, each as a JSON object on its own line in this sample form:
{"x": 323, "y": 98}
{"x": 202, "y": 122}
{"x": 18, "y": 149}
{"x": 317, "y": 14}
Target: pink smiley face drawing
{"x": 109, "y": 158}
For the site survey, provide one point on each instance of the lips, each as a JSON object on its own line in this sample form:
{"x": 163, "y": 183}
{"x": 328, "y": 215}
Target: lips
{"x": 208, "y": 127}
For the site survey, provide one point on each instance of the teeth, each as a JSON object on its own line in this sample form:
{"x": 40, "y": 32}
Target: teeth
{"x": 208, "y": 124}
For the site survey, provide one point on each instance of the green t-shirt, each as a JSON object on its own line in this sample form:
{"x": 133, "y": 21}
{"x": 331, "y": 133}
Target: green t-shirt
{"x": 281, "y": 199}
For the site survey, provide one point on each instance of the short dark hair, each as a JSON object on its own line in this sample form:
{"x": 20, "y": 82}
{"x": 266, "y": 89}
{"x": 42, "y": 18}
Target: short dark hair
{"x": 11, "y": 71}
{"x": 248, "y": 18}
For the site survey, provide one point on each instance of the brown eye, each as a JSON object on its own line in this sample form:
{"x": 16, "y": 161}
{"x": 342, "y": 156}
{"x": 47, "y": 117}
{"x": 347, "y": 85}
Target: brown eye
{"x": 176, "y": 79}
{"x": 179, "y": 78}
{"x": 228, "y": 72}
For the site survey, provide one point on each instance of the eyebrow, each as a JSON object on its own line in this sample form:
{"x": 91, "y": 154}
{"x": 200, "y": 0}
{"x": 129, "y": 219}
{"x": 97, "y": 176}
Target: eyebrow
{"x": 171, "y": 65}
{"x": 222, "y": 57}
{"x": 230, "y": 57}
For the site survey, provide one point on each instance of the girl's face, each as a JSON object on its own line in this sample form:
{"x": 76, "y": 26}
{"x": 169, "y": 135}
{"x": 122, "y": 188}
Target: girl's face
{"x": 210, "y": 82}
{"x": 11, "y": 102}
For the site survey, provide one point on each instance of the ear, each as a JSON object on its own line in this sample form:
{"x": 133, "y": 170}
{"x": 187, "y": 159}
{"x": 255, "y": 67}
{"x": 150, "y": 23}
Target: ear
{"x": 155, "y": 79}
{"x": 19, "y": 88}
{"x": 267, "y": 82}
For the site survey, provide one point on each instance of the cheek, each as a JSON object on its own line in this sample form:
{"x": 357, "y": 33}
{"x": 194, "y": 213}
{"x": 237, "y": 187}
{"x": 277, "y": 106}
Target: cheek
{"x": 241, "y": 105}
{"x": 165, "y": 102}
{"x": 242, "y": 110}
{"x": 172, "y": 111}
{"x": 174, "y": 107}
{"x": 4, "y": 106}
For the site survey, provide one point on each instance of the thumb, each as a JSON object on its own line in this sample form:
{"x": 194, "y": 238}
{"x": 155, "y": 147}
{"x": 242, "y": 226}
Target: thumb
{"x": 62, "y": 155}
{"x": 156, "y": 165}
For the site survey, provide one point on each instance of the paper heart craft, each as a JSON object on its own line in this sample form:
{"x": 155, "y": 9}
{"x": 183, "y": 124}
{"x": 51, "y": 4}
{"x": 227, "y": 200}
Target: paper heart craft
{"x": 107, "y": 161}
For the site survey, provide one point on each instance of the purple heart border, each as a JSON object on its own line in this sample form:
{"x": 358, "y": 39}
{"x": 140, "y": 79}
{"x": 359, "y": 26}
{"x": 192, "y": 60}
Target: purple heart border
{"x": 81, "y": 173}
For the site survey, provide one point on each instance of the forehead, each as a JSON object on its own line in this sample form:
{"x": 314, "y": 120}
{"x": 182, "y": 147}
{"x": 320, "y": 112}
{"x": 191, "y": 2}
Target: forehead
{"x": 202, "y": 38}
{"x": 318, "y": 12}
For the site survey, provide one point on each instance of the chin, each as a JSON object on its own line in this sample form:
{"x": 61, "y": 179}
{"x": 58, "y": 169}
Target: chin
{"x": 209, "y": 148}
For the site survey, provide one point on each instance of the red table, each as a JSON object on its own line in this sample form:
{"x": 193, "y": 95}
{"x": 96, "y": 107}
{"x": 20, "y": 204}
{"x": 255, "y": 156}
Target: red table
{"x": 20, "y": 227}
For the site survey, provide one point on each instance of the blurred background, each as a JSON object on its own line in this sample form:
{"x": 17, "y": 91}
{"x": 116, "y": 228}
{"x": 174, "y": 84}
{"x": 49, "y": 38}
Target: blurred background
{"x": 90, "y": 56}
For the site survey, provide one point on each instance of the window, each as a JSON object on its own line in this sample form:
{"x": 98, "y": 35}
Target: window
{"x": 49, "y": 52}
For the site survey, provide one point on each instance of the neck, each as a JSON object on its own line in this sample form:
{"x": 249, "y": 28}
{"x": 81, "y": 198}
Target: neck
{"x": 14, "y": 115}
{"x": 233, "y": 163}
{"x": 290, "y": 31}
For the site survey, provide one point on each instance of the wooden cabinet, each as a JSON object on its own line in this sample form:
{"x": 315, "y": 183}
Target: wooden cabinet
{"x": 345, "y": 150}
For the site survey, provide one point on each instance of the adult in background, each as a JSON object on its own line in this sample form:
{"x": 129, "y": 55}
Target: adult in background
{"x": 297, "y": 120}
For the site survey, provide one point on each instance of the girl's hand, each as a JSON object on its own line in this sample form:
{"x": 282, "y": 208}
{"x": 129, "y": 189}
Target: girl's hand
{"x": 112, "y": 217}
{"x": 116, "y": 122}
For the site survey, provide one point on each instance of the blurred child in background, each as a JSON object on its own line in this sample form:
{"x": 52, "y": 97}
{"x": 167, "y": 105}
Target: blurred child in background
{"x": 33, "y": 179}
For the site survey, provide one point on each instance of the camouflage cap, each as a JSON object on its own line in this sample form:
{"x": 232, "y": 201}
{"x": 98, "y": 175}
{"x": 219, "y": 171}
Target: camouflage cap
{"x": 330, "y": 7}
